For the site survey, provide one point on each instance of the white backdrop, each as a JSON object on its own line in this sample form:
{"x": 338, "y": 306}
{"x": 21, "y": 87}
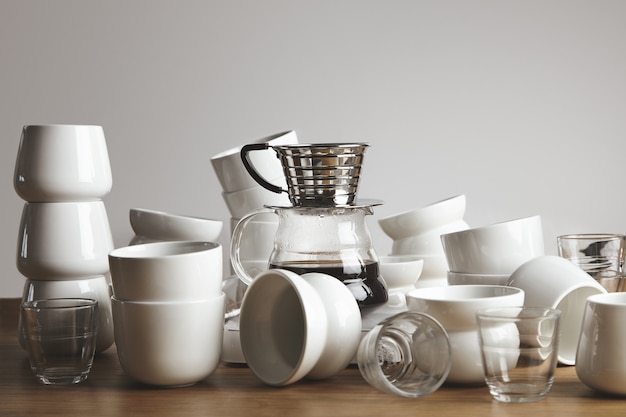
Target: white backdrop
{"x": 520, "y": 105}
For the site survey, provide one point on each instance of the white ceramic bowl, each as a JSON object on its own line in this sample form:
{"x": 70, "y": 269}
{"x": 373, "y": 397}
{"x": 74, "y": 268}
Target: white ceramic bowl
{"x": 64, "y": 241}
{"x": 169, "y": 343}
{"x": 232, "y": 174}
{"x": 420, "y": 220}
{"x": 461, "y": 278}
{"x": 167, "y": 271}
{"x": 242, "y": 202}
{"x": 552, "y": 281}
{"x": 62, "y": 163}
{"x": 400, "y": 271}
{"x": 151, "y": 225}
{"x": 435, "y": 268}
{"x": 429, "y": 242}
{"x": 293, "y": 326}
{"x": 455, "y": 308}
{"x": 94, "y": 288}
{"x": 494, "y": 249}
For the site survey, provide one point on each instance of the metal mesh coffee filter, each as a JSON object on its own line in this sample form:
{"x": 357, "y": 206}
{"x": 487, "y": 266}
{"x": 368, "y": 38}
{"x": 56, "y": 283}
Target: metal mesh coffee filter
{"x": 317, "y": 175}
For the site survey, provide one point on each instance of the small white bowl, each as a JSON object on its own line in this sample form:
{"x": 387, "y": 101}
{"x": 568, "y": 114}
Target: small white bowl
{"x": 151, "y": 225}
{"x": 400, "y": 271}
{"x": 294, "y": 326}
{"x": 416, "y": 221}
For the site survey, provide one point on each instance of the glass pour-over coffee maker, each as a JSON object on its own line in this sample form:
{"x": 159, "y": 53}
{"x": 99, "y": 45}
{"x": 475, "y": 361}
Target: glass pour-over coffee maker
{"x": 324, "y": 230}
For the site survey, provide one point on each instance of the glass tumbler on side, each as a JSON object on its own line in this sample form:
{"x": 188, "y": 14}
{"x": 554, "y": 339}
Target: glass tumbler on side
{"x": 519, "y": 348}
{"x": 60, "y": 337}
{"x": 407, "y": 354}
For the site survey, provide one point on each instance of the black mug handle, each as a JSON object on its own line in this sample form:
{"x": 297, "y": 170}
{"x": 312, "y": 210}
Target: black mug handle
{"x": 255, "y": 175}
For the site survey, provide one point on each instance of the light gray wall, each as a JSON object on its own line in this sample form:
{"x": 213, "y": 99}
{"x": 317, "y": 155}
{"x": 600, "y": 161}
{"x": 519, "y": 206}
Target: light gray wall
{"x": 521, "y": 105}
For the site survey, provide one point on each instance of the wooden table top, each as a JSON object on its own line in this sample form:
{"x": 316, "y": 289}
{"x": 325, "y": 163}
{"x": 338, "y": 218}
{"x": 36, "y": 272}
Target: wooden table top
{"x": 235, "y": 391}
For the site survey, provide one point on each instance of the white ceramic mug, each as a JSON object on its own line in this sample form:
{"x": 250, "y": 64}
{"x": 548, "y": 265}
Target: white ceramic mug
{"x": 61, "y": 241}
{"x": 455, "y": 308}
{"x": 167, "y": 271}
{"x": 494, "y": 249}
{"x": 552, "y": 281}
{"x": 62, "y": 163}
{"x": 601, "y": 356}
{"x": 293, "y": 326}
{"x": 169, "y": 343}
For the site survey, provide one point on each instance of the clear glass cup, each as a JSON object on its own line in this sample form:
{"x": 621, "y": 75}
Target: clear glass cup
{"x": 519, "y": 347}
{"x": 60, "y": 337}
{"x": 407, "y": 354}
{"x": 598, "y": 254}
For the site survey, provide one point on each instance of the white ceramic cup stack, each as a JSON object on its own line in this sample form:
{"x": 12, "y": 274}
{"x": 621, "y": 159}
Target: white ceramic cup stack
{"x": 418, "y": 231}
{"x": 489, "y": 254}
{"x": 168, "y": 310}
{"x": 63, "y": 172}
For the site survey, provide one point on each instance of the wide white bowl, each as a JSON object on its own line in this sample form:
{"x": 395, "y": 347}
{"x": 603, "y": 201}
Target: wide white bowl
{"x": 152, "y": 225}
{"x": 62, "y": 163}
{"x": 455, "y": 308}
{"x": 167, "y": 271}
{"x": 64, "y": 241}
{"x": 94, "y": 288}
{"x": 419, "y": 220}
{"x": 494, "y": 249}
{"x": 429, "y": 242}
{"x": 169, "y": 343}
{"x": 294, "y": 326}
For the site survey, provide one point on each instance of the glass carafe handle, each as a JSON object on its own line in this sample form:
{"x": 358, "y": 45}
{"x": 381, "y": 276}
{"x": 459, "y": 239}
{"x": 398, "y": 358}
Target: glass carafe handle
{"x": 235, "y": 245}
{"x": 250, "y": 168}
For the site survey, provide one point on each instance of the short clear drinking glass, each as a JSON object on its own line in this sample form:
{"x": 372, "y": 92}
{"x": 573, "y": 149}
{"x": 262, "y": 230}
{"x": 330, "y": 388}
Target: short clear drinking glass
{"x": 601, "y": 255}
{"x": 407, "y": 354}
{"x": 60, "y": 337}
{"x": 519, "y": 347}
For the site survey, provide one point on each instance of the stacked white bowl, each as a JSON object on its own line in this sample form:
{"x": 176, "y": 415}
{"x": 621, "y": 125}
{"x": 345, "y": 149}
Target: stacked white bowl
{"x": 418, "y": 232}
{"x": 489, "y": 254}
{"x": 63, "y": 172}
{"x": 168, "y": 310}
